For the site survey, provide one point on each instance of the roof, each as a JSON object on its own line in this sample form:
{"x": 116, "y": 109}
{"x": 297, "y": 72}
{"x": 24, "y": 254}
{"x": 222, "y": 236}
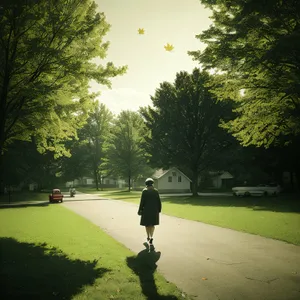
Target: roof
{"x": 161, "y": 172}
{"x": 222, "y": 174}
{"x": 226, "y": 175}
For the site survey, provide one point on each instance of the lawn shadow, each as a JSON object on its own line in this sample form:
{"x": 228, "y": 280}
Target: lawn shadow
{"x": 282, "y": 203}
{"x": 144, "y": 265}
{"x": 23, "y": 205}
{"x": 37, "y": 271}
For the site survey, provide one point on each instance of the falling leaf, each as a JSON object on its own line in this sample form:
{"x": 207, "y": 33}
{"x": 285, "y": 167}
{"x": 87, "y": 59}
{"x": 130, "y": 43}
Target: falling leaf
{"x": 141, "y": 30}
{"x": 169, "y": 47}
{"x": 203, "y": 278}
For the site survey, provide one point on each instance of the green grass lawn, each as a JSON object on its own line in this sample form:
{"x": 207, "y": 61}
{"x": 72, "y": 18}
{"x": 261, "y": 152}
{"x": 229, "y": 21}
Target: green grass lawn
{"x": 50, "y": 252}
{"x": 273, "y": 217}
{"x": 23, "y": 197}
{"x": 92, "y": 190}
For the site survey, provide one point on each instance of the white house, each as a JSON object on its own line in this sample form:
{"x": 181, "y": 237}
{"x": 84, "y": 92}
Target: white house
{"x": 87, "y": 181}
{"x": 221, "y": 179}
{"x": 171, "y": 181}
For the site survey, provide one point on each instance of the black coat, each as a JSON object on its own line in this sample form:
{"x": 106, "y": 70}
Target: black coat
{"x": 150, "y": 207}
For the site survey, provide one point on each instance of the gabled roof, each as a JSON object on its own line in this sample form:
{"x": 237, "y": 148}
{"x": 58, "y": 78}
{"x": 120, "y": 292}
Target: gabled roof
{"x": 161, "y": 172}
{"x": 222, "y": 174}
{"x": 226, "y": 175}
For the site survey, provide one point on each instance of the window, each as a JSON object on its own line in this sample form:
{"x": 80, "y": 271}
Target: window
{"x": 170, "y": 179}
{"x": 174, "y": 173}
{"x": 179, "y": 178}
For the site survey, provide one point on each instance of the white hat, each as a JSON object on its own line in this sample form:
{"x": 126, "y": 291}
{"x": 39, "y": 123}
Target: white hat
{"x": 149, "y": 180}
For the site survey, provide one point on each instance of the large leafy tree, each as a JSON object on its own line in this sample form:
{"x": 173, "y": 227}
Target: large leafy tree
{"x": 78, "y": 165}
{"x": 126, "y": 156}
{"x": 254, "y": 47}
{"x": 97, "y": 133}
{"x": 23, "y": 164}
{"x": 184, "y": 126}
{"x": 88, "y": 153}
{"x": 47, "y": 52}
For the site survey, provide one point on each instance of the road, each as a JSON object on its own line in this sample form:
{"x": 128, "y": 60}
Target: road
{"x": 205, "y": 261}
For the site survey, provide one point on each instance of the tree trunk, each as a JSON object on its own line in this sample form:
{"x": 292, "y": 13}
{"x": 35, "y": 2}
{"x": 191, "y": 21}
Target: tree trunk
{"x": 101, "y": 182}
{"x": 96, "y": 178}
{"x": 195, "y": 183}
{"x": 292, "y": 180}
{"x": 129, "y": 183}
{"x": 2, "y": 184}
{"x": 297, "y": 175}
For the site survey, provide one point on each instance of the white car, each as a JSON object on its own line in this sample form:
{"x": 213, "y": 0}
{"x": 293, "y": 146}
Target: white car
{"x": 260, "y": 190}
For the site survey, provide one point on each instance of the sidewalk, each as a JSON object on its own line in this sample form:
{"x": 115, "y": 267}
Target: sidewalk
{"x": 205, "y": 261}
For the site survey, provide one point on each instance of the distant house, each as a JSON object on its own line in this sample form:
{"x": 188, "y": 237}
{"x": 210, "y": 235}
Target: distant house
{"x": 33, "y": 186}
{"x": 112, "y": 182}
{"x": 171, "y": 181}
{"x": 107, "y": 182}
{"x": 221, "y": 179}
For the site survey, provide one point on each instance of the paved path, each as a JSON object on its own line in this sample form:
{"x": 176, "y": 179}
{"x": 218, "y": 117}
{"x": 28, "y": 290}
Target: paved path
{"x": 238, "y": 266}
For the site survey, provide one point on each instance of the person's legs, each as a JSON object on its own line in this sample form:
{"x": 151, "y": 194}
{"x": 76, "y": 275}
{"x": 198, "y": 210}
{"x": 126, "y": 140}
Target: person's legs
{"x": 151, "y": 234}
{"x": 151, "y": 231}
{"x": 148, "y": 232}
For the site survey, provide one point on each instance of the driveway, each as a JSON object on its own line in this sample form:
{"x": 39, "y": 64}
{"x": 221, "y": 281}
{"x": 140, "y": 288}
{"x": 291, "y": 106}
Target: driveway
{"x": 205, "y": 261}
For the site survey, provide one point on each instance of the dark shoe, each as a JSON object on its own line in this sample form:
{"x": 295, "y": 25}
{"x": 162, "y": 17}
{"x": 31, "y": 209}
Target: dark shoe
{"x": 151, "y": 241}
{"x": 148, "y": 239}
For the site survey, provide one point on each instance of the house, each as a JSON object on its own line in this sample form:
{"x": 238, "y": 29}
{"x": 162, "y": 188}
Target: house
{"x": 106, "y": 182}
{"x": 33, "y": 186}
{"x": 171, "y": 181}
{"x": 112, "y": 182}
{"x": 221, "y": 179}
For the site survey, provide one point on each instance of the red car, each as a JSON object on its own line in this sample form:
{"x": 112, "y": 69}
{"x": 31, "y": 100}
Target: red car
{"x": 56, "y": 196}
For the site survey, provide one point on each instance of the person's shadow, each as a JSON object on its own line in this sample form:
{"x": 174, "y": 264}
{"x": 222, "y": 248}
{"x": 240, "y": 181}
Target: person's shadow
{"x": 144, "y": 265}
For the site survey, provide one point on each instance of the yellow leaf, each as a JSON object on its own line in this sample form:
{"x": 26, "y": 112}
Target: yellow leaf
{"x": 203, "y": 278}
{"x": 141, "y": 30}
{"x": 169, "y": 47}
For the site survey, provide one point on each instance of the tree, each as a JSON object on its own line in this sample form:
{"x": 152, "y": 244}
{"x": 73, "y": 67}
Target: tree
{"x": 46, "y": 53}
{"x": 23, "y": 164}
{"x": 78, "y": 164}
{"x": 184, "y": 125}
{"x": 126, "y": 156}
{"x": 254, "y": 49}
{"x": 89, "y": 151}
{"x": 97, "y": 132}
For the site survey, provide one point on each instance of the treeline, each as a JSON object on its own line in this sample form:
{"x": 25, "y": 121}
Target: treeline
{"x": 245, "y": 118}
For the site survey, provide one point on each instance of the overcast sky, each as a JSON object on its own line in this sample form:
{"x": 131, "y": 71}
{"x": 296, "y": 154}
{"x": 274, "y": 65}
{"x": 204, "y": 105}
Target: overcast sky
{"x": 165, "y": 21}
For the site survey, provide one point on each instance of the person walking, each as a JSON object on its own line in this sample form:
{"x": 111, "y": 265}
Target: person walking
{"x": 149, "y": 209}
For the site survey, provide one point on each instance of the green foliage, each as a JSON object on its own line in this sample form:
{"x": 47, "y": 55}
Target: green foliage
{"x": 97, "y": 132}
{"x": 90, "y": 150}
{"x": 126, "y": 156}
{"x": 23, "y": 164}
{"x": 254, "y": 47}
{"x": 184, "y": 125}
{"x": 47, "y": 54}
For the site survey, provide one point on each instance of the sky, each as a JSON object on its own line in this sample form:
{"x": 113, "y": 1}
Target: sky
{"x": 149, "y": 64}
